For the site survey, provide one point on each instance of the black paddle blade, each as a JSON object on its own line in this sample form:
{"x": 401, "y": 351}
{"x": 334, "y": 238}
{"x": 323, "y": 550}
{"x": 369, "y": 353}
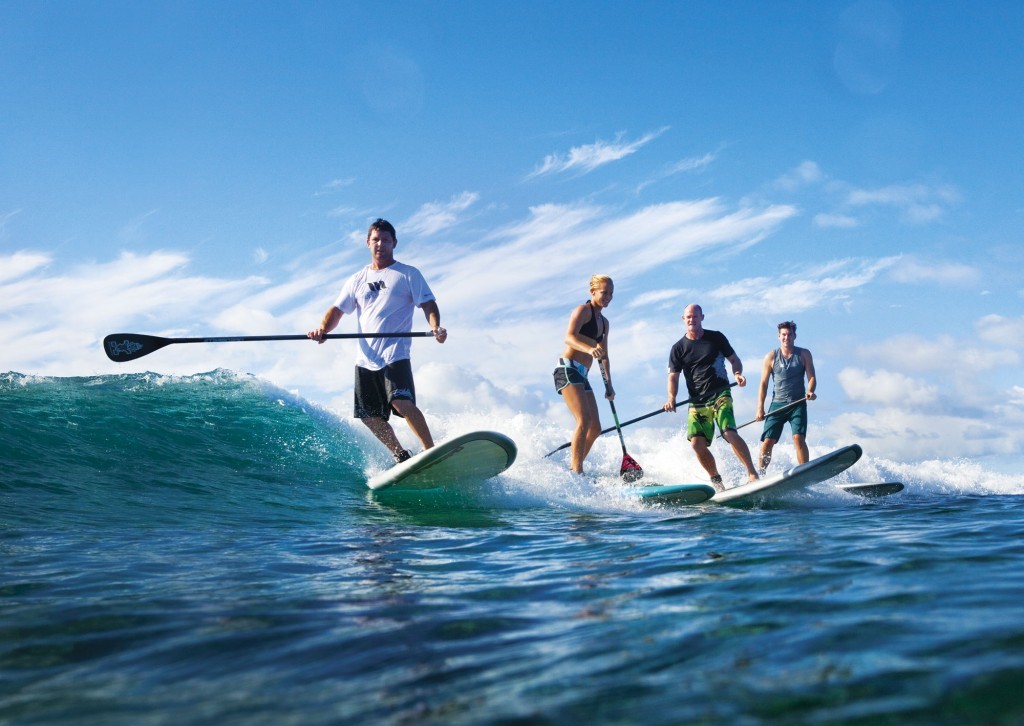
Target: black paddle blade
{"x": 630, "y": 471}
{"x": 122, "y": 347}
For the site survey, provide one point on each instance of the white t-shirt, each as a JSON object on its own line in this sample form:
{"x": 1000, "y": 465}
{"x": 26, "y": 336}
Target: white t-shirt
{"x": 385, "y": 301}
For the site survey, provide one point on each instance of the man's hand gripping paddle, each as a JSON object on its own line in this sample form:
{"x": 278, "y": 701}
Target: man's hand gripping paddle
{"x": 631, "y": 470}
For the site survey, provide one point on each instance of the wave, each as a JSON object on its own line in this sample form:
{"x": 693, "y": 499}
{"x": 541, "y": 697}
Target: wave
{"x": 218, "y": 447}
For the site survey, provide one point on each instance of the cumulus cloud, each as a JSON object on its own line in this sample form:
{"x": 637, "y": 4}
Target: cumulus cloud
{"x": 885, "y": 387}
{"x": 1002, "y": 330}
{"x": 588, "y": 157}
{"x": 921, "y": 354}
{"x": 907, "y": 435}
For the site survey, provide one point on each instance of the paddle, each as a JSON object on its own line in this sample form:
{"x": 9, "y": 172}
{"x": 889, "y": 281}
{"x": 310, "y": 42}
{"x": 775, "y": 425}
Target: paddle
{"x": 121, "y": 347}
{"x": 630, "y": 470}
{"x": 624, "y": 424}
{"x": 767, "y": 415}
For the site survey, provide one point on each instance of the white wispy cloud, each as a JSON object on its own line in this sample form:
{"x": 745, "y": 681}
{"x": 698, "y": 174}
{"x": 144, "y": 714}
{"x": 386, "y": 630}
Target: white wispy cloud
{"x": 334, "y": 186}
{"x": 566, "y": 242}
{"x": 21, "y": 263}
{"x": 4, "y": 219}
{"x": 837, "y": 221}
{"x": 433, "y": 217}
{"x": 800, "y": 291}
{"x": 656, "y": 298}
{"x": 133, "y": 231}
{"x": 913, "y": 270}
{"x": 807, "y": 172}
{"x": 919, "y": 203}
{"x": 683, "y": 165}
{"x": 588, "y": 157}
{"x": 505, "y": 300}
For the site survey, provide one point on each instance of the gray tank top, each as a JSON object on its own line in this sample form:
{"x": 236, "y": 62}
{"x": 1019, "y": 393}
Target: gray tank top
{"x": 789, "y": 377}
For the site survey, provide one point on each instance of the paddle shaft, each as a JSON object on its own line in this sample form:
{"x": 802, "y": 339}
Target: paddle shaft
{"x": 615, "y": 416}
{"x": 767, "y": 415}
{"x": 627, "y": 423}
{"x": 122, "y": 347}
{"x": 257, "y": 338}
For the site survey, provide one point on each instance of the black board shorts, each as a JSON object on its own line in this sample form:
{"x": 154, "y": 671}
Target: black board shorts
{"x": 375, "y": 390}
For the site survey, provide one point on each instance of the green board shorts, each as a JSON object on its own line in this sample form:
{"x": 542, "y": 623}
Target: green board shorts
{"x": 702, "y": 418}
{"x": 796, "y": 417}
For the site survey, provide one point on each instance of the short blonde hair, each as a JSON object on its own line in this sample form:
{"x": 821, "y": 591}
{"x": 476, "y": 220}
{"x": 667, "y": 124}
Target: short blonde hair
{"x": 598, "y": 280}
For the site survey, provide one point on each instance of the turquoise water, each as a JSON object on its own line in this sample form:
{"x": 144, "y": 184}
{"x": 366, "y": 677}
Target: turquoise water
{"x": 204, "y": 549}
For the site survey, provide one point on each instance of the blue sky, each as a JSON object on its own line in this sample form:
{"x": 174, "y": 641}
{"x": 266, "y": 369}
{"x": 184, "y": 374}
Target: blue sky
{"x": 210, "y": 169}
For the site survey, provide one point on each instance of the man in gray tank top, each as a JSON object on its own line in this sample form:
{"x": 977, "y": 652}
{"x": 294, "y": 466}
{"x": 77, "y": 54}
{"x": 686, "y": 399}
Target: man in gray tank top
{"x": 787, "y": 365}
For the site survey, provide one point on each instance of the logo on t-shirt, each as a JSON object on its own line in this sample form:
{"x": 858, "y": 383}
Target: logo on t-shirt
{"x": 375, "y": 288}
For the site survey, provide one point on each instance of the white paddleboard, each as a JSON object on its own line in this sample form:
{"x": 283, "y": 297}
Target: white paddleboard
{"x": 467, "y": 459}
{"x": 813, "y": 472}
{"x": 872, "y": 489}
{"x": 675, "y": 493}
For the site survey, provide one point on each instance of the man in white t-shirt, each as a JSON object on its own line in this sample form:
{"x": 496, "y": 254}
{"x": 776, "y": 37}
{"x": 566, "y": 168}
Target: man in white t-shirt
{"x": 383, "y": 295}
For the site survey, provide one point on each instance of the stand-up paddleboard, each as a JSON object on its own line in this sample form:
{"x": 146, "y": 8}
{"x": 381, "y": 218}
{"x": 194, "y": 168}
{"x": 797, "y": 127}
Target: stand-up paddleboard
{"x": 872, "y": 489}
{"x": 813, "y": 472}
{"x": 467, "y": 459}
{"x": 674, "y": 493}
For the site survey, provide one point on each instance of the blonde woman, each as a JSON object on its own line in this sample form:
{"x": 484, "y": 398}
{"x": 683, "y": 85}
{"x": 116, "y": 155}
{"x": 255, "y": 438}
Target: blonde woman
{"x": 586, "y": 340}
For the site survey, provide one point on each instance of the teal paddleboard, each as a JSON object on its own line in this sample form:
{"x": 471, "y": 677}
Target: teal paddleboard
{"x": 675, "y": 493}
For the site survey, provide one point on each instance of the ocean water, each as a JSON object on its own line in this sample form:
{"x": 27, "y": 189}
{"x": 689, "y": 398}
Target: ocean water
{"x": 204, "y": 549}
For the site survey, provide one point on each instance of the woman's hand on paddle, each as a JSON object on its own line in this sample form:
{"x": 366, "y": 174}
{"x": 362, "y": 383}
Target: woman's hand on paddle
{"x": 609, "y": 392}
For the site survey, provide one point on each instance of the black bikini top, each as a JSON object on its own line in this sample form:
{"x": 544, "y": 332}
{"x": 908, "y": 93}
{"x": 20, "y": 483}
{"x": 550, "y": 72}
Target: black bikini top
{"x": 589, "y": 328}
